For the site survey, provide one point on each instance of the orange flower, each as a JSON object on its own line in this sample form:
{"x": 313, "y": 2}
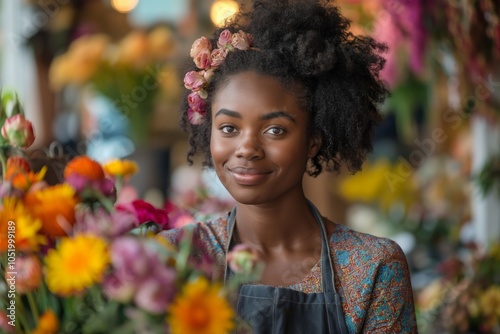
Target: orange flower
{"x": 200, "y": 309}
{"x": 15, "y": 165}
{"x": 55, "y": 207}
{"x": 24, "y": 181}
{"x": 47, "y": 324}
{"x": 86, "y": 167}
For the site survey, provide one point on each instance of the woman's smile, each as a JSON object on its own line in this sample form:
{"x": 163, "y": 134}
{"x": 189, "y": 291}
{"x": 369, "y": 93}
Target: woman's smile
{"x": 248, "y": 176}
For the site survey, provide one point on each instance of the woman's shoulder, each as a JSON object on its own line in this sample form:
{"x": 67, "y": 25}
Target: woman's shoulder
{"x": 363, "y": 248}
{"x": 212, "y": 232}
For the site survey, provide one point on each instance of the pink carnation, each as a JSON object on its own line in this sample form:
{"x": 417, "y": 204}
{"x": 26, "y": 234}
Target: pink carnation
{"x": 196, "y": 117}
{"x": 202, "y": 44}
{"x": 203, "y": 59}
{"x": 218, "y": 56}
{"x": 224, "y": 38}
{"x": 241, "y": 41}
{"x": 18, "y": 131}
{"x": 194, "y": 80}
{"x": 196, "y": 103}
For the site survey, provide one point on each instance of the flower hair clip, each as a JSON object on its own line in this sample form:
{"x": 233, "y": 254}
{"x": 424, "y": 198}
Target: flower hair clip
{"x": 207, "y": 60}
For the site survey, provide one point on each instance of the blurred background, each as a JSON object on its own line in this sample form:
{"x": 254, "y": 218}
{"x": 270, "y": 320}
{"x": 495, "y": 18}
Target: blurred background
{"x": 104, "y": 78}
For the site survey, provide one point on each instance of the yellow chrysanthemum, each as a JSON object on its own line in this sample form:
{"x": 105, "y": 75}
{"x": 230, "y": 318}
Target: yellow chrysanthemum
{"x": 47, "y": 324}
{"x": 55, "y": 207}
{"x": 489, "y": 302}
{"x": 201, "y": 309}
{"x": 15, "y": 217}
{"x": 123, "y": 168}
{"x": 76, "y": 264}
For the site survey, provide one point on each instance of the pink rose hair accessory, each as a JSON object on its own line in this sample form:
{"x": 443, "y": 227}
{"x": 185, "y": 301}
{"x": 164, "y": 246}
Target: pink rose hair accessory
{"x": 207, "y": 60}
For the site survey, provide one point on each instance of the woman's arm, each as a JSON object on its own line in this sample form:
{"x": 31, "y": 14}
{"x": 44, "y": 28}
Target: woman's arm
{"x": 392, "y": 308}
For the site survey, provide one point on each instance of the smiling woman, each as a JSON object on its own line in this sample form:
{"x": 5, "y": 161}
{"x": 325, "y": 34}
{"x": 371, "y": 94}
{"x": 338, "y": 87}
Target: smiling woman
{"x": 282, "y": 90}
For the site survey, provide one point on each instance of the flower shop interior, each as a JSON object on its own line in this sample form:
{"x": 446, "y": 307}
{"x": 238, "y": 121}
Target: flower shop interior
{"x": 104, "y": 79}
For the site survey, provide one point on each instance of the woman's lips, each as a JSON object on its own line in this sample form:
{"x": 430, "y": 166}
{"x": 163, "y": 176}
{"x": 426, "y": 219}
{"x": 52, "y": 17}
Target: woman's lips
{"x": 248, "y": 176}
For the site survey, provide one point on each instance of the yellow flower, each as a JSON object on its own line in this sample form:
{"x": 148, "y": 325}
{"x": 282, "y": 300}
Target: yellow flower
{"x": 55, "y": 207}
{"x": 76, "y": 264}
{"x": 366, "y": 185}
{"x": 201, "y": 309}
{"x": 121, "y": 168}
{"x": 489, "y": 302}
{"x": 14, "y": 217}
{"x": 47, "y": 324}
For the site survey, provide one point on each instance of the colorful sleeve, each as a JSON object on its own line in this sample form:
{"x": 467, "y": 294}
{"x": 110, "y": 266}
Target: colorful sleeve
{"x": 392, "y": 308}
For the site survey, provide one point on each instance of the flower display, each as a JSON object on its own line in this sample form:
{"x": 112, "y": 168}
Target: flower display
{"x": 72, "y": 249}
{"x": 137, "y": 65}
{"x": 467, "y": 301}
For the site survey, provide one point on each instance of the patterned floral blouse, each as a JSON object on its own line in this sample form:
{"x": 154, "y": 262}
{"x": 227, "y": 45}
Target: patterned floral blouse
{"x": 371, "y": 276}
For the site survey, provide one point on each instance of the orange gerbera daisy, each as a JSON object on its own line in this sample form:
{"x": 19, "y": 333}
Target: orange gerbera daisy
{"x": 201, "y": 309}
{"x": 86, "y": 167}
{"x": 55, "y": 207}
{"x": 14, "y": 217}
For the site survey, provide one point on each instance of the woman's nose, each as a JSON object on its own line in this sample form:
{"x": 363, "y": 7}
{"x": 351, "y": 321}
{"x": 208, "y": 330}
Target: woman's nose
{"x": 249, "y": 148}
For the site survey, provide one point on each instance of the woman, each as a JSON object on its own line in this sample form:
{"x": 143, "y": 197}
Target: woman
{"x": 281, "y": 90}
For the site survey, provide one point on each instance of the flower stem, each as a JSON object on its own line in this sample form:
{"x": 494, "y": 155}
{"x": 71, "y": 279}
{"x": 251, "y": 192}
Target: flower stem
{"x": 4, "y": 163}
{"x": 106, "y": 203}
{"x": 33, "y": 307}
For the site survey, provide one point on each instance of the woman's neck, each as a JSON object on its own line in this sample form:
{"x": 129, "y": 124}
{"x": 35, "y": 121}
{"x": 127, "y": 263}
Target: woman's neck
{"x": 285, "y": 226}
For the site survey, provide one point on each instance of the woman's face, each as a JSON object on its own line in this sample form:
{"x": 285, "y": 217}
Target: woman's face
{"x": 259, "y": 142}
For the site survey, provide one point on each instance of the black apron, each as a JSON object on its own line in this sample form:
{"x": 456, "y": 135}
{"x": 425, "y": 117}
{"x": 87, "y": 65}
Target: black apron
{"x": 274, "y": 310}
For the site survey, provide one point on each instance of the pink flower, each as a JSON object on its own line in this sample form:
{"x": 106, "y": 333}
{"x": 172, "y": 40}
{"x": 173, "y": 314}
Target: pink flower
{"x": 243, "y": 259}
{"x": 194, "y": 80}
{"x": 4, "y": 322}
{"x": 105, "y": 224}
{"x": 224, "y": 38}
{"x": 196, "y": 117}
{"x": 203, "y": 59}
{"x": 202, "y": 44}
{"x": 29, "y": 273}
{"x": 196, "y": 103}
{"x": 156, "y": 291}
{"x": 86, "y": 187}
{"x": 241, "y": 41}
{"x": 130, "y": 258}
{"x": 119, "y": 289}
{"x": 218, "y": 56}
{"x": 18, "y": 131}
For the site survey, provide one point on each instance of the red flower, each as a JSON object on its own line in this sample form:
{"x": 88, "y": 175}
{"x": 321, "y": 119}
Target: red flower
{"x": 145, "y": 212}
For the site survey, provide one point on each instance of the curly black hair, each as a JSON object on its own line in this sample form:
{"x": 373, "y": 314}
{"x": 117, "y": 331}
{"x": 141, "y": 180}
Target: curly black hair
{"x": 307, "y": 44}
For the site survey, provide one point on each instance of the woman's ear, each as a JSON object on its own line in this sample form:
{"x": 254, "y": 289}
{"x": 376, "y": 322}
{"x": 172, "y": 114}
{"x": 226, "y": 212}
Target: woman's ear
{"x": 314, "y": 145}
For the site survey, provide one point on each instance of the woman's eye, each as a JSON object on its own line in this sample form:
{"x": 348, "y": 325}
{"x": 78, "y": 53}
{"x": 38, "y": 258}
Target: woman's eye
{"x": 227, "y": 129}
{"x": 276, "y": 131}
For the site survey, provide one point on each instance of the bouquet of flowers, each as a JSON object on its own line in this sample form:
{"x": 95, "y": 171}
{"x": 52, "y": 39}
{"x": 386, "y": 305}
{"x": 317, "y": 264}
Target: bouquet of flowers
{"x": 132, "y": 73}
{"x": 77, "y": 258}
{"x": 466, "y": 299}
